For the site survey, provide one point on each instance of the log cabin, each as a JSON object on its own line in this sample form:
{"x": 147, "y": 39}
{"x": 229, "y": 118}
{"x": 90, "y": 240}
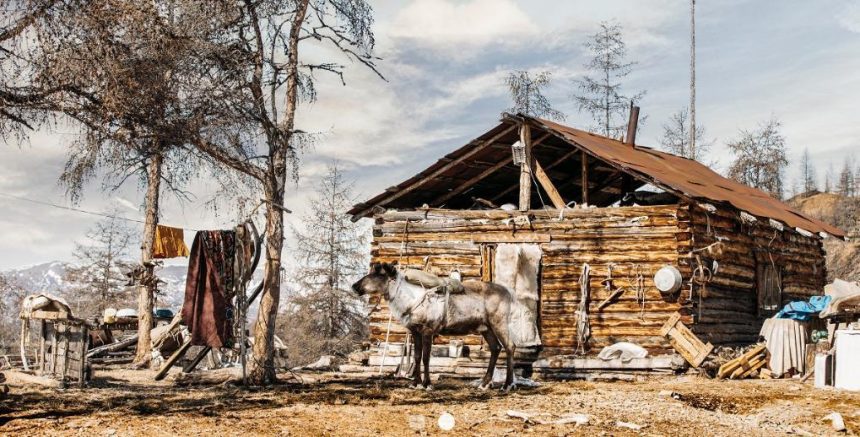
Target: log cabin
{"x": 604, "y": 216}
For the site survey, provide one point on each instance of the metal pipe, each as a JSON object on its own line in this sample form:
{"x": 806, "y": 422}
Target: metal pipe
{"x": 632, "y": 124}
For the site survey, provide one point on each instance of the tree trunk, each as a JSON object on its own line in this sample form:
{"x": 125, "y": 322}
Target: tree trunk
{"x": 262, "y": 369}
{"x": 146, "y": 292}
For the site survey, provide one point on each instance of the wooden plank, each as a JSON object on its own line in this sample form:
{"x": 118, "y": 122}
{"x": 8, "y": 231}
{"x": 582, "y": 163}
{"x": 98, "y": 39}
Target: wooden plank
{"x": 526, "y": 168}
{"x": 584, "y": 171}
{"x": 43, "y": 332}
{"x": 548, "y": 186}
{"x": 472, "y": 181}
{"x": 438, "y": 171}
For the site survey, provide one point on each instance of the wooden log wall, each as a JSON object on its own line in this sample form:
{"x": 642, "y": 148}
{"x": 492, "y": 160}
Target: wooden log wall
{"x": 631, "y": 239}
{"x": 730, "y": 314}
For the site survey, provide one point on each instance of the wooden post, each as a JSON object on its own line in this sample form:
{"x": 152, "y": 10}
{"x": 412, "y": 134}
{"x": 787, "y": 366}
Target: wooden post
{"x": 548, "y": 186}
{"x": 24, "y": 323}
{"x": 584, "y": 178}
{"x": 64, "y": 370}
{"x": 82, "y": 355}
{"x": 43, "y": 331}
{"x": 526, "y": 169}
{"x": 54, "y": 349}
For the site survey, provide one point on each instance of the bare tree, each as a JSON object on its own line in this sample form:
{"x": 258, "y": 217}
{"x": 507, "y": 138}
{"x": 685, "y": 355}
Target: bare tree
{"x": 250, "y": 128}
{"x": 676, "y": 137}
{"x": 846, "y": 185}
{"x": 98, "y": 277}
{"x": 332, "y": 252}
{"x": 599, "y": 94}
{"x": 760, "y": 158}
{"x": 527, "y": 96}
{"x": 117, "y": 70}
{"x": 829, "y": 177}
{"x": 807, "y": 173}
{"x": 11, "y": 297}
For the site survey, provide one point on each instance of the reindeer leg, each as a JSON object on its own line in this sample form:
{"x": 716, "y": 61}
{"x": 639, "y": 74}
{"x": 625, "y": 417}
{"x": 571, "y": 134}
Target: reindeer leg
{"x": 417, "y": 349}
{"x": 425, "y": 357}
{"x": 510, "y": 348}
{"x": 495, "y": 348}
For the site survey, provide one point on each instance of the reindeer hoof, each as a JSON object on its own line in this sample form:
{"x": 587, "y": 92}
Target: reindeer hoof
{"x": 428, "y": 387}
{"x": 483, "y": 387}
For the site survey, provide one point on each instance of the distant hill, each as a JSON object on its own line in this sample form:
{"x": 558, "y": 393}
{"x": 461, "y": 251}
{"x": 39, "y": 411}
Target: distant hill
{"x": 843, "y": 258}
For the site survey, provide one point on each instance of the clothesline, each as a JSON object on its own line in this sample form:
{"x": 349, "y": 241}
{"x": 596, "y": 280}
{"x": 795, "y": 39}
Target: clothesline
{"x": 100, "y": 214}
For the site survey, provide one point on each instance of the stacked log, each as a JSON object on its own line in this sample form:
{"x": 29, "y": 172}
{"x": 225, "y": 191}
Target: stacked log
{"x": 644, "y": 237}
{"x": 730, "y": 313}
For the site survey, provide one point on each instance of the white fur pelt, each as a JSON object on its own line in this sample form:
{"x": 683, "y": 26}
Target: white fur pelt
{"x": 517, "y": 269}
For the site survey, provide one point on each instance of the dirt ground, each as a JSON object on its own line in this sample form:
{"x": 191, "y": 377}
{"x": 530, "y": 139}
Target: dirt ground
{"x": 129, "y": 403}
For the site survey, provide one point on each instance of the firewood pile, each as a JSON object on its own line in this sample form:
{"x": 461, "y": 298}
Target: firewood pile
{"x": 749, "y": 364}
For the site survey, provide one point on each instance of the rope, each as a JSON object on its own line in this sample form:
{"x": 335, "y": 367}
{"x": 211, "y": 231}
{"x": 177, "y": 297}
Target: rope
{"x": 583, "y": 328}
{"x": 639, "y": 287}
{"x": 385, "y": 351}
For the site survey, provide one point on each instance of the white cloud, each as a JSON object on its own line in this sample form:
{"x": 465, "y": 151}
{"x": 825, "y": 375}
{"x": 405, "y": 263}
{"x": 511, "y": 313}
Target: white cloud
{"x": 849, "y": 18}
{"x": 446, "y": 23}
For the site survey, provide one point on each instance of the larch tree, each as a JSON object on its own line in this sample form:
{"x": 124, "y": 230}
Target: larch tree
{"x": 527, "y": 94}
{"x": 117, "y": 71}
{"x": 262, "y": 78}
{"x": 324, "y": 316}
{"x": 846, "y": 186}
{"x": 98, "y": 278}
{"x": 807, "y": 173}
{"x": 760, "y": 158}
{"x": 676, "y": 137}
{"x": 600, "y": 92}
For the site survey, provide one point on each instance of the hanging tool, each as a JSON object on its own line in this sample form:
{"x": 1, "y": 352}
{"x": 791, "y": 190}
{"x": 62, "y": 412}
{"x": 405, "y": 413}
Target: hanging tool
{"x": 609, "y": 284}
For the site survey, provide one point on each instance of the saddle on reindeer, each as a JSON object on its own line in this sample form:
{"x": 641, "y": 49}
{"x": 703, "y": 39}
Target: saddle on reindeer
{"x": 433, "y": 283}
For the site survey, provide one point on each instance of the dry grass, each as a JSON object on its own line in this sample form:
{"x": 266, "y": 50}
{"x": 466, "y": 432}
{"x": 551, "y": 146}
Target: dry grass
{"x": 128, "y": 403}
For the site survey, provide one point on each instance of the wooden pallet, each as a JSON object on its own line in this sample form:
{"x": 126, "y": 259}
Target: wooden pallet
{"x": 685, "y": 342}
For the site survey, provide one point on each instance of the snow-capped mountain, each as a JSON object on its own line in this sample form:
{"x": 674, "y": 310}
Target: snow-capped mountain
{"x": 46, "y": 277}
{"x": 50, "y": 278}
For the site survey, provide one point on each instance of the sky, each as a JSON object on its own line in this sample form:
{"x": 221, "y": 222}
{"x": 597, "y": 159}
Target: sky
{"x": 444, "y": 62}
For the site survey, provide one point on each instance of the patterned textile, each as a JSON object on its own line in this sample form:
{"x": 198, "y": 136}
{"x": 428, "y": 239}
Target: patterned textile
{"x": 209, "y": 290}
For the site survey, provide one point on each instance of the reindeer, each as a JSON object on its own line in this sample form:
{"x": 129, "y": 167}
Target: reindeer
{"x": 483, "y": 308}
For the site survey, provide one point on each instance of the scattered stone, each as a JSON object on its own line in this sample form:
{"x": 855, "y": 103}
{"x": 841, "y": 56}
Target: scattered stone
{"x": 446, "y": 421}
{"x": 417, "y": 422}
{"x": 669, "y": 394}
{"x": 628, "y": 425}
{"x": 837, "y": 421}
{"x": 577, "y": 418}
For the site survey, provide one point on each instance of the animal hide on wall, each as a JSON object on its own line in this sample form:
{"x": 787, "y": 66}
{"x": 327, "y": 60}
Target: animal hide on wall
{"x": 516, "y": 268}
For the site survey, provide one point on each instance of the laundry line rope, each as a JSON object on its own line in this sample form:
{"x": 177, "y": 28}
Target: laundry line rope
{"x": 110, "y": 216}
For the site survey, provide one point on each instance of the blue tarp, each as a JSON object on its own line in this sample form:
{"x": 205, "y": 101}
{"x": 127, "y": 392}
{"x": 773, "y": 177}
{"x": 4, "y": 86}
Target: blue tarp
{"x": 802, "y": 310}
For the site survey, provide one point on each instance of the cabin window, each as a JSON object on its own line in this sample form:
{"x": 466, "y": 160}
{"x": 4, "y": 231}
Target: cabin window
{"x": 769, "y": 289}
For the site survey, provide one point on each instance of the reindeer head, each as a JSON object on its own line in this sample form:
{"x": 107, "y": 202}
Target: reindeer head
{"x": 377, "y": 280}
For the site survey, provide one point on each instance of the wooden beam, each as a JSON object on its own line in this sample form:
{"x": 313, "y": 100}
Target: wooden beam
{"x": 471, "y": 182}
{"x": 526, "y": 168}
{"x": 439, "y": 171}
{"x": 584, "y": 178}
{"x": 546, "y": 183}
{"x": 548, "y": 167}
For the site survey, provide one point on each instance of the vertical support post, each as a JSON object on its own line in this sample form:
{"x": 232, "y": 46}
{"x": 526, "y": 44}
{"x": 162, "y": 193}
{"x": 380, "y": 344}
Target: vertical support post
{"x": 43, "y": 332}
{"x": 54, "y": 347}
{"x": 82, "y": 354}
{"x": 24, "y": 325}
{"x": 526, "y": 169}
{"x": 65, "y": 355}
{"x": 584, "y": 161}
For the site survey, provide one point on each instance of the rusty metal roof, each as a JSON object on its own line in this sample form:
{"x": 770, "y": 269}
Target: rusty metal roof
{"x": 681, "y": 176}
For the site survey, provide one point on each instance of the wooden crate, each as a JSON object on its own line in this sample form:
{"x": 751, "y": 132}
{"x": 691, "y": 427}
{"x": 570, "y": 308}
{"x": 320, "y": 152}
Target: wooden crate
{"x": 685, "y": 342}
